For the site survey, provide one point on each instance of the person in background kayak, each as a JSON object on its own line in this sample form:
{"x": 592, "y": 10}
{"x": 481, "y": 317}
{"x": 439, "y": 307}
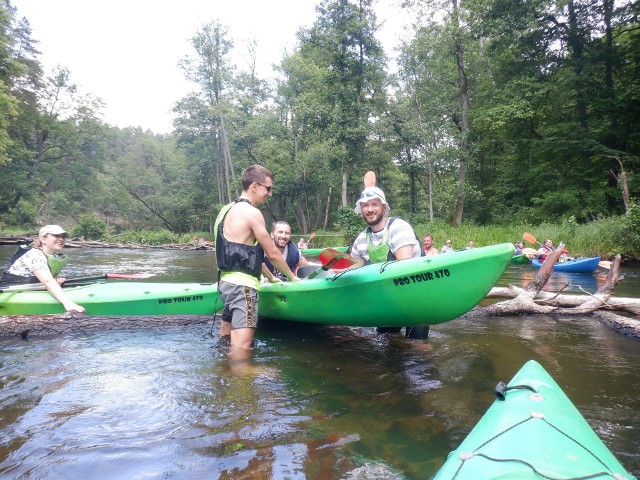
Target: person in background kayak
{"x": 42, "y": 262}
{"x": 547, "y": 248}
{"x": 427, "y": 245}
{"x": 302, "y": 243}
{"x": 281, "y": 234}
{"x": 386, "y": 238}
{"x": 242, "y": 241}
{"x": 470, "y": 245}
{"x": 447, "y": 247}
{"x": 519, "y": 244}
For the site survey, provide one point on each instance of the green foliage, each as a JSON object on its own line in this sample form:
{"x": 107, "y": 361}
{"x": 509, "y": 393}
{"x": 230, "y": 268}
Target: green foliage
{"x": 24, "y": 213}
{"x": 631, "y": 228}
{"x": 151, "y": 237}
{"x": 552, "y": 107}
{"x": 90, "y": 227}
{"x": 350, "y": 223}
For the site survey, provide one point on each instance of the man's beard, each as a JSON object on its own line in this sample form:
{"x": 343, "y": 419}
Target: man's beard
{"x": 281, "y": 242}
{"x": 375, "y": 220}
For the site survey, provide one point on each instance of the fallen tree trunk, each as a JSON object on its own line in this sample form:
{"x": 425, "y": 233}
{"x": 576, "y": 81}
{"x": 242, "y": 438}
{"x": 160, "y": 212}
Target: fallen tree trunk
{"x": 532, "y": 299}
{"x": 623, "y": 304}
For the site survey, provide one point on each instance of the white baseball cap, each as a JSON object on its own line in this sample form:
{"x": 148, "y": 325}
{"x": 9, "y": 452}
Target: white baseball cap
{"x": 366, "y": 195}
{"x": 53, "y": 230}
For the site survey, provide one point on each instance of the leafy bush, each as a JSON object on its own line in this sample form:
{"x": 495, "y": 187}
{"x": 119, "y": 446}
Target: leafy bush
{"x": 149, "y": 237}
{"x": 350, "y": 223}
{"x": 90, "y": 227}
{"x": 23, "y": 214}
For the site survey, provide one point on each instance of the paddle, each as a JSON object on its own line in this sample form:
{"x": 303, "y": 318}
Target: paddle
{"x": 332, "y": 258}
{"x": 80, "y": 280}
{"x": 342, "y": 260}
{"x": 530, "y": 251}
{"x": 530, "y": 238}
{"x": 133, "y": 276}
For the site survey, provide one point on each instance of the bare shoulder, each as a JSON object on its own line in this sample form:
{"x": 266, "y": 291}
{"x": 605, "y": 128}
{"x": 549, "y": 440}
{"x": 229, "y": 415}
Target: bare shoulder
{"x": 241, "y": 222}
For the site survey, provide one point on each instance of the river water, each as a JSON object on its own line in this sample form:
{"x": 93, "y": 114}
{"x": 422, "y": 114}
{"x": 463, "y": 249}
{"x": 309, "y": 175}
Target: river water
{"x": 316, "y": 402}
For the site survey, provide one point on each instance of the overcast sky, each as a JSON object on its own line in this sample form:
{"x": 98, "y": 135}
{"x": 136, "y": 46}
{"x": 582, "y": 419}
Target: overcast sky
{"x": 126, "y": 51}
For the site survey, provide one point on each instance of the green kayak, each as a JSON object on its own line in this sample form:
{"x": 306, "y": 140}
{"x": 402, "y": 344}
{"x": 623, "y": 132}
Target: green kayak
{"x": 418, "y": 291}
{"x": 522, "y": 258}
{"x": 120, "y": 298}
{"x": 316, "y": 251}
{"x": 535, "y": 432}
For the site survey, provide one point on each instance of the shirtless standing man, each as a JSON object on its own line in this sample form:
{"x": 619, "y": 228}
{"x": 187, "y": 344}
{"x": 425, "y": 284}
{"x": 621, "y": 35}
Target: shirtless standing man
{"x": 242, "y": 241}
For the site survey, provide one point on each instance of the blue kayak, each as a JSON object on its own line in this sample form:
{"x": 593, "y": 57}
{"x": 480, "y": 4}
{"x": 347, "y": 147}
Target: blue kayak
{"x": 577, "y": 265}
{"x": 531, "y": 431}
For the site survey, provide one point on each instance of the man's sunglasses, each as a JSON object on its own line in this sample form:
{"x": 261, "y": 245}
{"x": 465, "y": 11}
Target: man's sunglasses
{"x": 265, "y": 186}
{"x": 370, "y": 195}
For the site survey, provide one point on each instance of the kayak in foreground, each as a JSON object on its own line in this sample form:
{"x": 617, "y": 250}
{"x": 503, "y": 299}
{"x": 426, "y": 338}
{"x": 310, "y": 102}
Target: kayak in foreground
{"x": 534, "y": 432}
{"x": 576, "y": 265}
{"x": 119, "y": 298}
{"x": 316, "y": 251}
{"x": 417, "y": 291}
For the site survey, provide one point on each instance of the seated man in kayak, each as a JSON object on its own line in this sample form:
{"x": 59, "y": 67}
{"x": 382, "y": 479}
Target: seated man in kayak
{"x": 427, "y": 245}
{"x": 547, "y": 248}
{"x": 386, "y": 238}
{"x": 281, "y": 234}
{"x": 42, "y": 262}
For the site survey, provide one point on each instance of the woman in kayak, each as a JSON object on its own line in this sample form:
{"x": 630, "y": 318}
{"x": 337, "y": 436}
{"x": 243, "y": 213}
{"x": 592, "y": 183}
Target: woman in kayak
{"x": 42, "y": 262}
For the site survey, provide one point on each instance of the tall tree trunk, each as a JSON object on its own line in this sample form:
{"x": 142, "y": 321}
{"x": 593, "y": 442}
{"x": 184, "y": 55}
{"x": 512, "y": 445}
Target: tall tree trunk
{"x": 426, "y": 154}
{"x": 345, "y": 177}
{"x": 608, "y": 6}
{"x": 464, "y": 122}
{"x": 326, "y": 213}
{"x": 226, "y": 155}
{"x": 575, "y": 41}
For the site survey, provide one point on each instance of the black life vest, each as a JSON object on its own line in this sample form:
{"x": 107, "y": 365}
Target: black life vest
{"x": 11, "y": 279}
{"x": 237, "y": 257}
{"x": 293, "y": 257}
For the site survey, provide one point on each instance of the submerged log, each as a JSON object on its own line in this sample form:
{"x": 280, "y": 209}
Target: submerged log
{"x": 27, "y": 325}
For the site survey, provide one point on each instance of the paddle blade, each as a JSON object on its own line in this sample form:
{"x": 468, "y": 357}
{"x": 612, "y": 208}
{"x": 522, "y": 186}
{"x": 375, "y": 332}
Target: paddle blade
{"x": 130, "y": 275}
{"x": 332, "y": 258}
{"x": 604, "y": 264}
{"x": 312, "y": 236}
{"x": 530, "y": 238}
{"x": 370, "y": 179}
{"x": 530, "y": 251}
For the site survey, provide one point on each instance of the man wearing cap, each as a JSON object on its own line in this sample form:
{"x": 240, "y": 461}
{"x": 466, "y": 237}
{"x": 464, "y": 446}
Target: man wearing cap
{"x": 385, "y": 238}
{"x": 42, "y": 262}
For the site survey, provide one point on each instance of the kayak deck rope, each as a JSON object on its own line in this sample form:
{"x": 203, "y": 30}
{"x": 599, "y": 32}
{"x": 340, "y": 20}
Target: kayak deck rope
{"x": 501, "y": 390}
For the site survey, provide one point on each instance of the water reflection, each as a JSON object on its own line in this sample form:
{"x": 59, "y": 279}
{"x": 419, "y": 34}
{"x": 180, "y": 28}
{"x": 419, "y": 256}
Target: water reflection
{"x": 313, "y": 403}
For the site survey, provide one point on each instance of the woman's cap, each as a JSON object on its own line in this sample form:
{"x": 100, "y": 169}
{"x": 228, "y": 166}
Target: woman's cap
{"x": 53, "y": 230}
{"x": 366, "y": 195}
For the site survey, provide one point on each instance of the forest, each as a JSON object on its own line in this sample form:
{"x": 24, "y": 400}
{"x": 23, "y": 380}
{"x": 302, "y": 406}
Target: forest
{"x": 498, "y": 112}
